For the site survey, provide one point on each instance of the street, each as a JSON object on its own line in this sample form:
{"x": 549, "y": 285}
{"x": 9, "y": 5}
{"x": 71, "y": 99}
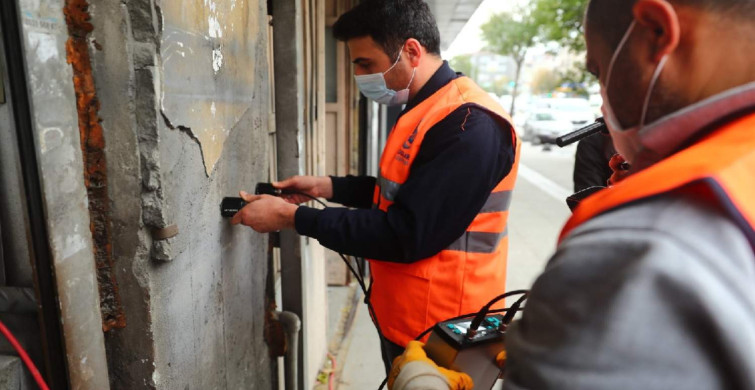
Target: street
{"x": 538, "y": 211}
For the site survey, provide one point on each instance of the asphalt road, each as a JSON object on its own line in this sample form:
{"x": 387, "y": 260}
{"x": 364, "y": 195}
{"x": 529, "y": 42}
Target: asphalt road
{"x": 538, "y": 211}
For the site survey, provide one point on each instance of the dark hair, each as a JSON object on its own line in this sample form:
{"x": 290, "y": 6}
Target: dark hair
{"x": 390, "y": 23}
{"x": 612, "y": 17}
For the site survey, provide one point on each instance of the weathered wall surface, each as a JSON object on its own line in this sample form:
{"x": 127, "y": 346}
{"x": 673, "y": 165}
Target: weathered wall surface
{"x": 194, "y": 303}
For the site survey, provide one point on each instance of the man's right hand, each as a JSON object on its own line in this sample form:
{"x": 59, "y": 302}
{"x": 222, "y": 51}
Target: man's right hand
{"x": 316, "y": 186}
{"x": 414, "y": 370}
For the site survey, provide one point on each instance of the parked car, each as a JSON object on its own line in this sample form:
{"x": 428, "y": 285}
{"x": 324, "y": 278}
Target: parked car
{"x": 578, "y": 111}
{"x": 545, "y": 127}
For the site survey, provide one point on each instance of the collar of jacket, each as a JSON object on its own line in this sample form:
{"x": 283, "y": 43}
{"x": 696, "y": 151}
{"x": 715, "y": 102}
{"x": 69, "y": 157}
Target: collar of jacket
{"x": 688, "y": 125}
{"x": 440, "y": 78}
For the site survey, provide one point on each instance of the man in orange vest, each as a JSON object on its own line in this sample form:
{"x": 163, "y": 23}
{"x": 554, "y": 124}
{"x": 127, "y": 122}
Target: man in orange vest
{"x": 434, "y": 223}
{"x": 653, "y": 283}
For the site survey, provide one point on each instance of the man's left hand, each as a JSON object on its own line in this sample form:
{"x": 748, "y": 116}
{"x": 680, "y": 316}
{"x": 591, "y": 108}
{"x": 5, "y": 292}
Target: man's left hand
{"x": 265, "y": 213}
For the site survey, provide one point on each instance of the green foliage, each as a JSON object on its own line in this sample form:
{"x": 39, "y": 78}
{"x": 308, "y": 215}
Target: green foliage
{"x": 561, "y": 21}
{"x": 511, "y": 34}
{"x": 540, "y": 21}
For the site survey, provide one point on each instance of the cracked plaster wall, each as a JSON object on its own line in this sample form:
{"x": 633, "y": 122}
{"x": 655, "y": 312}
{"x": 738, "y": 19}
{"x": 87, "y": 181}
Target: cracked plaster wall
{"x": 195, "y": 303}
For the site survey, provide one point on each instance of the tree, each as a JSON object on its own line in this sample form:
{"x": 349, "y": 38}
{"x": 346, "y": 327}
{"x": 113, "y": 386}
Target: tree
{"x": 511, "y": 34}
{"x": 561, "y": 21}
{"x": 463, "y": 64}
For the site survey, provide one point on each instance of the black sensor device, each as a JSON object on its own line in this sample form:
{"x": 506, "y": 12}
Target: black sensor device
{"x": 230, "y": 206}
{"x": 266, "y": 189}
{"x": 578, "y": 135}
{"x": 451, "y": 347}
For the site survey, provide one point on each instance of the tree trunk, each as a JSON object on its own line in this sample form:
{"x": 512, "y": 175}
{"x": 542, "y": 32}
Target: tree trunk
{"x": 516, "y": 85}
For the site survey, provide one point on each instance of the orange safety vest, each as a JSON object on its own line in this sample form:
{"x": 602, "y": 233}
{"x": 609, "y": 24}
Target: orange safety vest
{"x": 720, "y": 169}
{"x": 409, "y": 298}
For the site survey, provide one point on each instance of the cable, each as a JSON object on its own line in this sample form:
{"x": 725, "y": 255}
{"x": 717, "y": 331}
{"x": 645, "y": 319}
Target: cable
{"x": 288, "y": 192}
{"x": 24, "y": 357}
{"x": 515, "y": 307}
{"x": 484, "y": 311}
{"x": 469, "y": 315}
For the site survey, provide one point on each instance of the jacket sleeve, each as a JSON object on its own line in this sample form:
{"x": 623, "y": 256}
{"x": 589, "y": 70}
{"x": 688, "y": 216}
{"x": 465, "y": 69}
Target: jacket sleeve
{"x": 353, "y": 191}
{"x": 659, "y": 306}
{"x": 450, "y": 181}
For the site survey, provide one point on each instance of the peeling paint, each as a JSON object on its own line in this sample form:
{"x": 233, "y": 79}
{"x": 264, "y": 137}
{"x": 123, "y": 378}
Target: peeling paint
{"x": 217, "y": 63}
{"x": 200, "y": 35}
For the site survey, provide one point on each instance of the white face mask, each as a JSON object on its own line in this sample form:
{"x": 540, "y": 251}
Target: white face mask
{"x": 627, "y": 141}
{"x": 373, "y": 86}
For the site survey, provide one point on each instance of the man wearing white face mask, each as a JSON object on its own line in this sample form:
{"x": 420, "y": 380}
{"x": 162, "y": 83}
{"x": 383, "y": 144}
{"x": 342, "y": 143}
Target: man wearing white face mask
{"x": 434, "y": 223}
{"x": 653, "y": 283}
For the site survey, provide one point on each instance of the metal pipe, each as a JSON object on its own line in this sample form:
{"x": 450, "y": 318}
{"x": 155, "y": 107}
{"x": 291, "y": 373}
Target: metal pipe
{"x": 292, "y": 326}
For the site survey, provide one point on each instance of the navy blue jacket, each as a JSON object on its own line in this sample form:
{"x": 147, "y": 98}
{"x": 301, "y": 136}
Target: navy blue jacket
{"x": 460, "y": 161}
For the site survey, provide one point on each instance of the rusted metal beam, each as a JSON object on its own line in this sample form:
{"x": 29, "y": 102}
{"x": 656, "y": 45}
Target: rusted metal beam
{"x": 95, "y": 164}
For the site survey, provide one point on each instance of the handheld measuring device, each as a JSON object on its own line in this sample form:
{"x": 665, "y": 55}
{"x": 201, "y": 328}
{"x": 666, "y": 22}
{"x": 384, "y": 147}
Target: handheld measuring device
{"x": 451, "y": 346}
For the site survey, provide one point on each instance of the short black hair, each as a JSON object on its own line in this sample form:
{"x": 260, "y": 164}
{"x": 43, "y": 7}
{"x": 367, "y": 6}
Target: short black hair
{"x": 390, "y": 23}
{"x": 611, "y": 18}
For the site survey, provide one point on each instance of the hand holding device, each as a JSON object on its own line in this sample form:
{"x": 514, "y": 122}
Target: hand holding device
{"x": 414, "y": 364}
{"x": 300, "y": 189}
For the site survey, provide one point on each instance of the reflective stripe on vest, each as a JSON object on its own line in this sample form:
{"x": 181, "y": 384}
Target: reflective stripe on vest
{"x": 409, "y": 298}
{"x": 478, "y": 242}
{"x": 388, "y": 189}
{"x": 722, "y": 164}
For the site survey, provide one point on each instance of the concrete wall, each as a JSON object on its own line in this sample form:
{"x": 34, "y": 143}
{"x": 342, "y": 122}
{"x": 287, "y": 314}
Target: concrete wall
{"x": 183, "y": 88}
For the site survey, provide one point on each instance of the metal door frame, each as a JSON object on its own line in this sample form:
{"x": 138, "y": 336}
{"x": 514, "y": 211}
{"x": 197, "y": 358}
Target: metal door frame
{"x": 17, "y": 92}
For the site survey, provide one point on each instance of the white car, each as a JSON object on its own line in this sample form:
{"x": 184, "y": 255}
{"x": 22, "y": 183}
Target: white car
{"x": 577, "y": 111}
{"x": 545, "y": 127}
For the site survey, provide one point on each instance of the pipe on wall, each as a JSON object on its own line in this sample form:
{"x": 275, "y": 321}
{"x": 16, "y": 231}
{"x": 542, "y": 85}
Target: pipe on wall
{"x": 292, "y": 326}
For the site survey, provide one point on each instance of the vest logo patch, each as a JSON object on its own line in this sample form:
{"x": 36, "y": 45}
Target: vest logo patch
{"x": 410, "y": 140}
{"x": 403, "y": 156}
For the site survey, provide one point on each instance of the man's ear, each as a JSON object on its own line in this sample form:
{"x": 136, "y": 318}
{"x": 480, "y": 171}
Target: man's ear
{"x": 661, "y": 22}
{"x": 414, "y": 51}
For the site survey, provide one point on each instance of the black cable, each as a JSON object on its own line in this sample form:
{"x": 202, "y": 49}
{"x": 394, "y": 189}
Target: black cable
{"x": 469, "y": 315}
{"x": 515, "y": 307}
{"x": 307, "y": 195}
{"x": 484, "y": 311}
{"x": 360, "y": 266}
{"x": 359, "y": 279}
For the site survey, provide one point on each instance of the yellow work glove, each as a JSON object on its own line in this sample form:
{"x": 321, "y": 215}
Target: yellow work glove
{"x": 415, "y": 365}
{"x": 501, "y": 359}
